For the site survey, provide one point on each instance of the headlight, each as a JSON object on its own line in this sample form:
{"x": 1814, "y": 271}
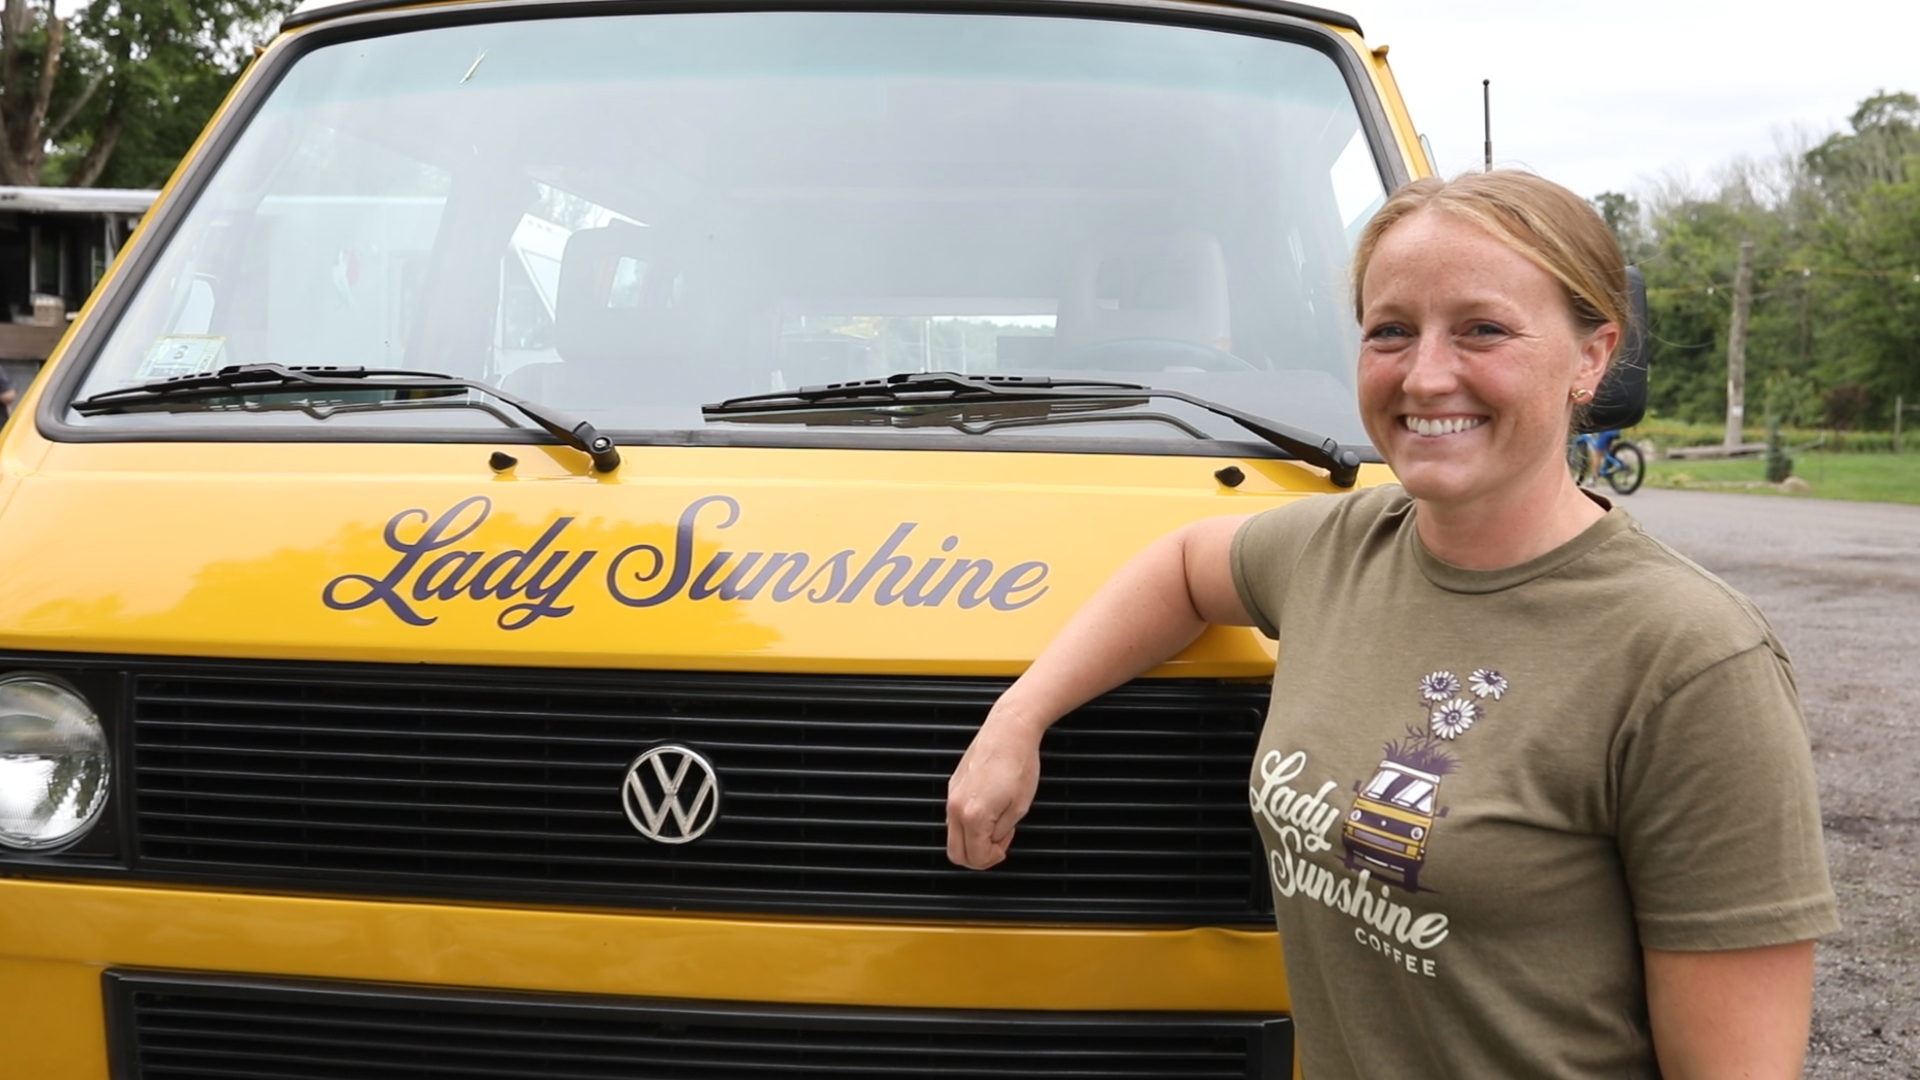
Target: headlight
{"x": 53, "y": 764}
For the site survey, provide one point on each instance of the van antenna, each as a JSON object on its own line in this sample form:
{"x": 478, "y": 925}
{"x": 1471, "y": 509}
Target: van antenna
{"x": 1486, "y": 116}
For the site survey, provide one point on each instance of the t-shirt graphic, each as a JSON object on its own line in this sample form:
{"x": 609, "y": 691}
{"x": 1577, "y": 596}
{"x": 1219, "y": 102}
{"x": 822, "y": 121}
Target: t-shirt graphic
{"x": 1393, "y": 814}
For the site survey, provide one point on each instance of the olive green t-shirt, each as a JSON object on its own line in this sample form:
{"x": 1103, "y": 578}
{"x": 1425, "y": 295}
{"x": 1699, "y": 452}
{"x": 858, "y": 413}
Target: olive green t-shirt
{"x": 1484, "y": 792}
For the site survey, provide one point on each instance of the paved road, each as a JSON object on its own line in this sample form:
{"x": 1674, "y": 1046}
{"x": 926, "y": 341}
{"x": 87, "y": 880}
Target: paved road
{"x": 1841, "y": 584}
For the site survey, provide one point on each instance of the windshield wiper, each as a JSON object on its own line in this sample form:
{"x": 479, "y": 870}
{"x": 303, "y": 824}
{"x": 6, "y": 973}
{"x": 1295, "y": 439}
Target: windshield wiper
{"x": 973, "y": 416}
{"x": 273, "y": 378}
{"x": 945, "y": 389}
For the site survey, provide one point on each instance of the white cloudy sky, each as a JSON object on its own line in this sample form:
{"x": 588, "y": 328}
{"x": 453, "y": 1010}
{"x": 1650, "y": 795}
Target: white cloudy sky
{"x": 1616, "y": 95}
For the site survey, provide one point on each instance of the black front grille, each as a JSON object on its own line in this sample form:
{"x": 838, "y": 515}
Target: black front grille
{"x": 176, "y": 1027}
{"x": 506, "y": 784}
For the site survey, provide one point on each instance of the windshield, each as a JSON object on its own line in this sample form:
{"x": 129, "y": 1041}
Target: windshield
{"x": 625, "y": 217}
{"x": 1408, "y": 792}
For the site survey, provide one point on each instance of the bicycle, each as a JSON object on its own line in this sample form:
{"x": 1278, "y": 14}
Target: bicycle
{"x": 1620, "y": 462}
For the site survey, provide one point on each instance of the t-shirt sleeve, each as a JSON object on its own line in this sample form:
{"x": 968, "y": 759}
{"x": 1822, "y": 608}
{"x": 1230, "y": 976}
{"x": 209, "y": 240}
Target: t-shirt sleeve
{"x": 1718, "y": 818}
{"x": 1265, "y": 550}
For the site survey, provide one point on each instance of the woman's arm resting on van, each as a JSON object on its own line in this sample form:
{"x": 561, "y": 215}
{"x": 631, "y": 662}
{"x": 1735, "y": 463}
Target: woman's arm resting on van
{"x": 1155, "y": 606}
{"x": 1740, "y": 1014}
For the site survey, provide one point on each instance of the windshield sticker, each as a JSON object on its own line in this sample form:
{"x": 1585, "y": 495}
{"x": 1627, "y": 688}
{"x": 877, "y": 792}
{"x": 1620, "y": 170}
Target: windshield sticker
{"x": 174, "y": 355}
{"x": 436, "y": 564}
{"x": 1356, "y": 182}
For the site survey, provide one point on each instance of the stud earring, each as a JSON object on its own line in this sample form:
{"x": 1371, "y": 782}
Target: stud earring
{"x": 1581, "y": 395}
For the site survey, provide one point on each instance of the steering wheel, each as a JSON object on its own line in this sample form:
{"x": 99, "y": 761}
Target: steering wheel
{"x": 1148, "y": 354}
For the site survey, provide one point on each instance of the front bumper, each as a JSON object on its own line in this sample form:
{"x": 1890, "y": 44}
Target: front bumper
{"x": 57, "y": 939}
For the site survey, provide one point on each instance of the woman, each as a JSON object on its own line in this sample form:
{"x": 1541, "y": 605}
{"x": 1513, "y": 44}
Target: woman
{"x": 1500, "y": 844}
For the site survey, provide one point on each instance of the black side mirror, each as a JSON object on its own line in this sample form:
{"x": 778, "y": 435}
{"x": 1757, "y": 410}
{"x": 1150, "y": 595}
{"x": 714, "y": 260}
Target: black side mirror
{"x": 1621, "y": 400}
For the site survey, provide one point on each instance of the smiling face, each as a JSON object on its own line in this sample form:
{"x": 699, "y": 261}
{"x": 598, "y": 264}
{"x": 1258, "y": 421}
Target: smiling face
{"x": 1469, "y": 355}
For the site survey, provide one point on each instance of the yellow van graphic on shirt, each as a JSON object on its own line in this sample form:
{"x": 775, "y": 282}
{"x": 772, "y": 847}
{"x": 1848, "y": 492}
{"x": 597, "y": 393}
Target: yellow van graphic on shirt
{"x": 1392, "y": 817}
{"x": 1393, "y": 813}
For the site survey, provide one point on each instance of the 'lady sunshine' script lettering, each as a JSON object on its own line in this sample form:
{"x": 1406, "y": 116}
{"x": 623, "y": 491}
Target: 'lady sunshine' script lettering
{"x": 1300, "y": 823}
{"x": 434, "y": 565}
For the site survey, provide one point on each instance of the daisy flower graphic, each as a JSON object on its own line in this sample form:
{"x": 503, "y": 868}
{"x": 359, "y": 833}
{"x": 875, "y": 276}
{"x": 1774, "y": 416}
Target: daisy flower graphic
{"x": 1456, "y": 716}
{"x": 1487, "y": 684}
{"x": 1439, "y": 686}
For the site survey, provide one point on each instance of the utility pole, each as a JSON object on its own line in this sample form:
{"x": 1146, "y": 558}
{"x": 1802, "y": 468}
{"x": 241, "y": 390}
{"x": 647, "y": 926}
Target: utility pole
{"x": 1899, "y": 406}
{"x": 1737, "y": 348}
{"x": 1486, "y": 119}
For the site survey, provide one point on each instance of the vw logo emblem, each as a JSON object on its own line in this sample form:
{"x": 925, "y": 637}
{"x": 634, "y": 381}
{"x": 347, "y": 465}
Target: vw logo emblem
{"x": 671, "y": 795}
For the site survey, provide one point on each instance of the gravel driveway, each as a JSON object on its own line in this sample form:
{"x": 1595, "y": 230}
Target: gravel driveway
{"x": 1841, "y": 584}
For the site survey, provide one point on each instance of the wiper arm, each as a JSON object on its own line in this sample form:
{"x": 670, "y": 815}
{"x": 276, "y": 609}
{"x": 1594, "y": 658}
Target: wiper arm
{"x": 906, "y": 387}
{"x": 947, "y": 387}
{"x": 975, "y": 416}
{"x": 259, "y": 378}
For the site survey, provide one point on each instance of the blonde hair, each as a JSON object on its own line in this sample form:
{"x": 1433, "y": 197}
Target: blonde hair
{"x": 1554, "y": 228}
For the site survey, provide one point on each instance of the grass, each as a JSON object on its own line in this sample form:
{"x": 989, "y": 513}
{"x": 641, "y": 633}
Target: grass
{"x": 1893, "y": 478}
{"x": 1664, "y": 433}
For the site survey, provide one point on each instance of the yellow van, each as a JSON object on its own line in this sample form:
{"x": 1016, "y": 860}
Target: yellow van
{"x": 1391, "y": 817}
{"x": 497, "y": 578}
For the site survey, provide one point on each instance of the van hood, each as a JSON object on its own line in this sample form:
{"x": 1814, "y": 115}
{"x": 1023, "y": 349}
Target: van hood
{"x": 687, "y": 558}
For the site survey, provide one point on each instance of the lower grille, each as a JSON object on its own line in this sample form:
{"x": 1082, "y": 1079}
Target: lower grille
{"x": 506, "y": 784}
{"x": 173, "y": 1027}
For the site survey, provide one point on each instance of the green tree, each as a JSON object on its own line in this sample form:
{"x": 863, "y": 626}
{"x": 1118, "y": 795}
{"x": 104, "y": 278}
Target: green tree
{"x": 1873, "y": 253}
{"x": 1869, "y": 250}
{"x": 116, "y": 91}
{"x": 1690, "y": 266}
{"x": 1834, "y": 229}
{"x": 1886, "y": 131}
{"x": 1624, "y": 216}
